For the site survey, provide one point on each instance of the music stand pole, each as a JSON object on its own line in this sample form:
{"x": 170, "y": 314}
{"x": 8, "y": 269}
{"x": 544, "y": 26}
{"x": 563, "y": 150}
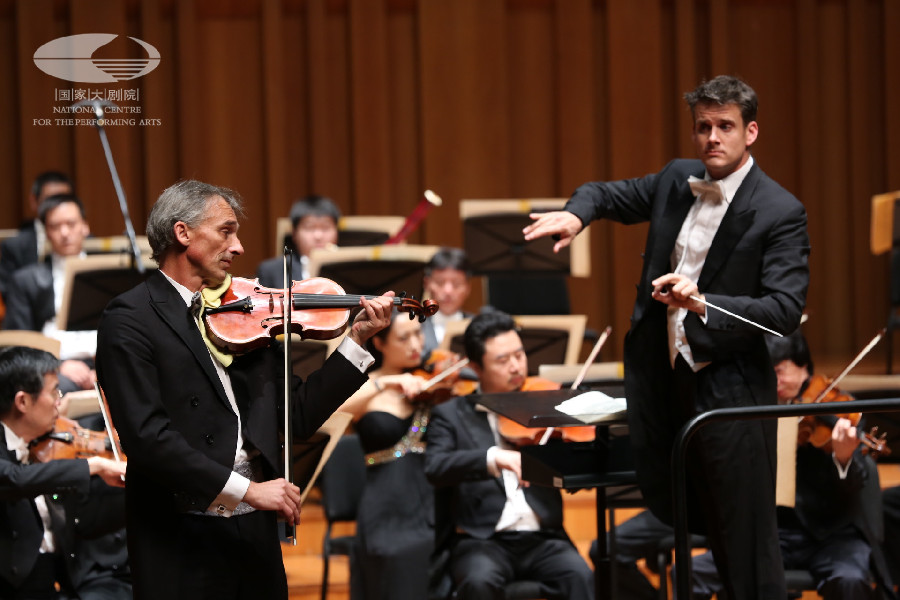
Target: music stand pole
{"x": 117, "y": 184}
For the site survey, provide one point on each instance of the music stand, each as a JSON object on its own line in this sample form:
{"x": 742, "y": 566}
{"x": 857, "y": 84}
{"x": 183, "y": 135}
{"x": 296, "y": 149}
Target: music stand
{"x": 115, "y": 244}
{"x": 884, "y": 235}
{"x": 91, "y": 282}
{"x": 513, "y": 268}
{"x": 353, "y": 230}
{"x": 373, "y": 270}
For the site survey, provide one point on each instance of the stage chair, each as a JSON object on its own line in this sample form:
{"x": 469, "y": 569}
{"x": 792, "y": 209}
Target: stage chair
{"x": 353, "y": 230}
{"x": 31, "y": 339}
{"x": 548, "y": 339}
{"x": 116, "y": 244}
{"x": 341, "y": 481}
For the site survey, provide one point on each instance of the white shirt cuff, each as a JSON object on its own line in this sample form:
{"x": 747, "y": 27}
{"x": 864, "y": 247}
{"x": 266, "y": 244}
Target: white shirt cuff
{"x": 492, "y": 467}
{"x": 842, "y": 471}
{"x": 356, "y": 354}
{"x": 231, "y": 495}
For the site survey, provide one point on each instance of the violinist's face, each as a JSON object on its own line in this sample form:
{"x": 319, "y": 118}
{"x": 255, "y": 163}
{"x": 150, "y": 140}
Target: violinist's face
{"x": 40, "y": 410}
{"x": 213, "y": 244}
{"x": 66, "y": 229}
{"x": 402, "y": 347}
{"x": 790, "y": 379}
{"x": 450, "y": 287}
{"x": 314, "y": 231}
{"x": 721, "y": 139}
{"x": 504, "y": 365}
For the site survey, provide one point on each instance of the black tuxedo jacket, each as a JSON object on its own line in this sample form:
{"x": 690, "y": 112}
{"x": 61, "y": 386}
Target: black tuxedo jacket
{"x": 174, "y": 419}
{"x": 17, "y": 252}
{"x": 456, "y": 463}
{"x": 756, "y": 267}
{"x": 29, "y": 299}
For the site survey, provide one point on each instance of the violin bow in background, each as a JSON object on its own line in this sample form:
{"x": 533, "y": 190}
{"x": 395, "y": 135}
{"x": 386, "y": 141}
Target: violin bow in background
{"x": 584, "y": 369}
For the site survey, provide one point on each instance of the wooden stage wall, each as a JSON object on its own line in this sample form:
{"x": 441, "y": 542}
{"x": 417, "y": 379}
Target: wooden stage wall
{"x": 373, "y": 101}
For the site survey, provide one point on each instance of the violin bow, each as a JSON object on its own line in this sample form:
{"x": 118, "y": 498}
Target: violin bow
{"x": 581, "y": 374}
{"x": 862, "y": 353}
{"x": 290, "y": 530}
{"x": 445, "y": 373}
{"x": 107, "y": 423}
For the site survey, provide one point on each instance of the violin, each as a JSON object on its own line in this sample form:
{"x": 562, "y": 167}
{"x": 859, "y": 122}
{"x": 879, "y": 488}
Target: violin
{"x": 251, "y": 315}
{"x": 817, "y": 430}
{"x": 441, "y": 371}
{"x": 68, "y": 439}
{"x": 519, "y": 435}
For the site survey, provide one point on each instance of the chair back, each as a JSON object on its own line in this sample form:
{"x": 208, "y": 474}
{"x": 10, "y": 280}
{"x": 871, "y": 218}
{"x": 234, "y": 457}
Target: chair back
{"x": 31, "y": 339}
{"x": 343, "y": 479}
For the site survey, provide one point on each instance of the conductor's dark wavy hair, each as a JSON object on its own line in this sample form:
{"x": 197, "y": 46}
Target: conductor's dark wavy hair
{"x": 723, "y": 90}
{"x": 185, "y": 201}
{"x": 22, "y": 369}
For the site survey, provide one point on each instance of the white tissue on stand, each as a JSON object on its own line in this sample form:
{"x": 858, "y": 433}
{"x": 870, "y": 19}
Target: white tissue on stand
{"x": 593, "y": 407}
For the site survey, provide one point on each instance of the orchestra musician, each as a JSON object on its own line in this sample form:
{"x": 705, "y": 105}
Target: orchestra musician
{"x": 447, "y": 277}
{"x": 36, "y": 291}
{"x": 200, "y": 425}
{"x": 314, "y": 224}
{"x": 29, "y": 243}
{"x": 51, "y": 511}
{"x": 491, "y": 526}
{"x": 395, "y": 523}
{"x": 721, "y": 232}
{"x": 834, "y": 528}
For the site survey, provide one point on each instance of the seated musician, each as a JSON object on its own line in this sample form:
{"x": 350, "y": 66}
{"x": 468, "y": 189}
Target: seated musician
{"x": 36, "y": 291}
{"x": 832, "y": 530}
{"x": 314, "y": 224}
{"x": 447, "y": 277}
{"x": 395, "y": 523}
{"x": 41, "y": 554}
{"x": 496, "y": 528}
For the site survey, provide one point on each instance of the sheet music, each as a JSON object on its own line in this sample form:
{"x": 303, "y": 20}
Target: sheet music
{"x": 593, "y": 407}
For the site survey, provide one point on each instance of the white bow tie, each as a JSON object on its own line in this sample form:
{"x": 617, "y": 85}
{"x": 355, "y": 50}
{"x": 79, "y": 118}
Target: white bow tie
{"x": 711, "y": 191}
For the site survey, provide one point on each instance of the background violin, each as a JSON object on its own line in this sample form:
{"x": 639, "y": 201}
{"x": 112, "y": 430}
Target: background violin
{"x": 442, "y": 371}
{"x": 70, "y": 440}
{"x": 251, "y": 314}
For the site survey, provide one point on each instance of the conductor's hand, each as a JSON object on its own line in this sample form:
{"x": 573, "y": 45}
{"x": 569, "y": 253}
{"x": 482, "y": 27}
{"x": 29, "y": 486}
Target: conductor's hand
{"x": 844, "y": 441}
{"x": 111, "y": 471}
{"x": 374, "y": 316}
{"x": 511, "y": 460}
{"x": 674, "y": 289}
{"x": 560, "y": 223}
{"x": 278, "y": 495}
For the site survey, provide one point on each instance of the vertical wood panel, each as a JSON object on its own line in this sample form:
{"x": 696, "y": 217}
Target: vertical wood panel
{"x": 274, "y": 104}
{"x": 12, "y": 187}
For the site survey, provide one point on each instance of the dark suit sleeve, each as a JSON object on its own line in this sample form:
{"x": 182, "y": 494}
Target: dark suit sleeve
{"x": 447, "y": 463}
{"x": 56, "y": 476}
{"x": 19, "y": 302}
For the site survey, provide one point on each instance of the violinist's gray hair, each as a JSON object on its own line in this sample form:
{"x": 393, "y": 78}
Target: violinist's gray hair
{"x": 184, "y": 201}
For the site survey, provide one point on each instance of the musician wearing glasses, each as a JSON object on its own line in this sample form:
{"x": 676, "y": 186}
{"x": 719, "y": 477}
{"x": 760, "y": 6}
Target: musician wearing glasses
{"x": 200, "y": 425}
{"x": 722, "y": 233}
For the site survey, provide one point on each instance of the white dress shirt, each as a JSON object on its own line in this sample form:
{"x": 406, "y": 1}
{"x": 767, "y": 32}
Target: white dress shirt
{"x": 517, "y": 515}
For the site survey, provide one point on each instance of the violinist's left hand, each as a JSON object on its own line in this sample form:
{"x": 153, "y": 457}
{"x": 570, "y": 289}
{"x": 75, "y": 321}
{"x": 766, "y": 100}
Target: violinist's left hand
{"x": 674, "y": 289}
{"x": 374, "y": 316}
{"x": 843, "y": 441}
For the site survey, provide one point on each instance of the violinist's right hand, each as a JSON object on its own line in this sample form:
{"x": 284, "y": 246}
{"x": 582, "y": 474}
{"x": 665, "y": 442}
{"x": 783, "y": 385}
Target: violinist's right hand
{"x": 111, "y": 471}
{"x": 277, "y": 494}
{"x": 81, "y": 375}
{"x": 560, "y": 223}
{"x": 844, "y": 441}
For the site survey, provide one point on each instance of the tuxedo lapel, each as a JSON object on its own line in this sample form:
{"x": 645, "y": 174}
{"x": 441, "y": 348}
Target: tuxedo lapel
{"x": 679, "y": 203}
{"x": 475, "y": 425}
{"x": 737, "y": 220}
{"x": 167, "y": 303}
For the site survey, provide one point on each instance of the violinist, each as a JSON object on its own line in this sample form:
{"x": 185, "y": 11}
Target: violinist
{"x": 395, "y": 523}
{"x": 200, "y": 425}
{"x": 49, "y": 509}
{"x": 833, "y": 530}
{"x": 495, "y": 529}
